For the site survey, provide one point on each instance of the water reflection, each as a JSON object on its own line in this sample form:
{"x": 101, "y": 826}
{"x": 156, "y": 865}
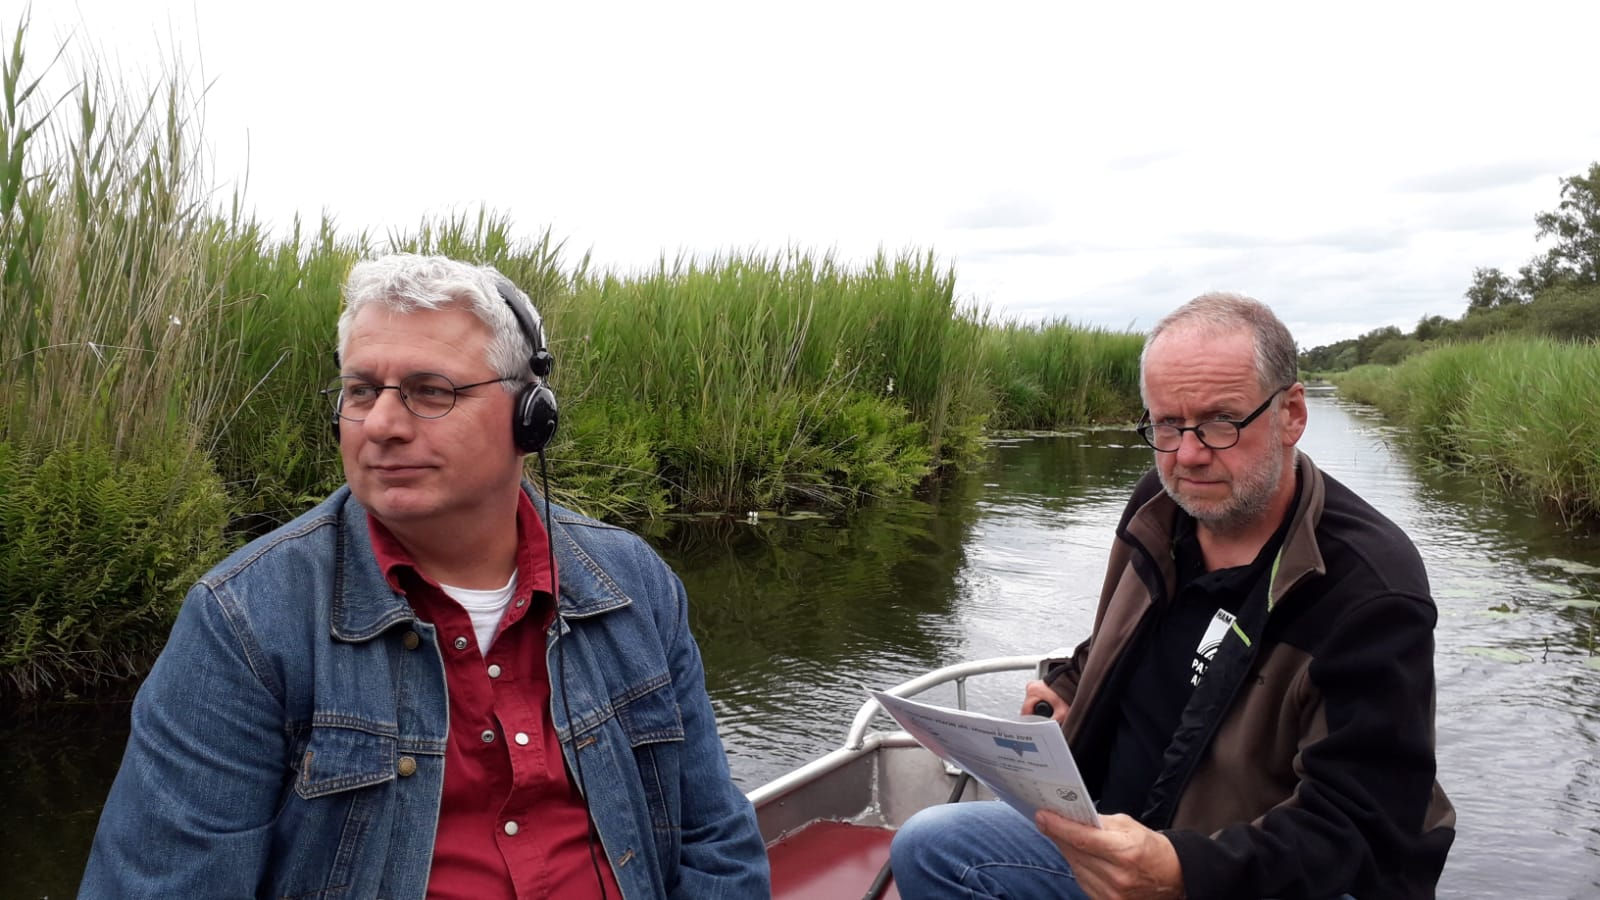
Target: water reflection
{"x": 1012, "y": 561}
{"x": 1519, "y": 704}
{"x": 795, "y": 618}
{"x": 57, "y": 766}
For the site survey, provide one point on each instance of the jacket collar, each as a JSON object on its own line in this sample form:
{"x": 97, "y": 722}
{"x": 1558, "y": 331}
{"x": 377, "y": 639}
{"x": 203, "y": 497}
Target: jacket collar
{"x": 364, "y": 606}
{"x": 1300, "y": 557}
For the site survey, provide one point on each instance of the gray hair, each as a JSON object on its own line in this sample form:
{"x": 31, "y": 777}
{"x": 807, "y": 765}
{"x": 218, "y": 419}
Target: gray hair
{"x": 1277, "y": 364}
{"x": 407, "y": 282}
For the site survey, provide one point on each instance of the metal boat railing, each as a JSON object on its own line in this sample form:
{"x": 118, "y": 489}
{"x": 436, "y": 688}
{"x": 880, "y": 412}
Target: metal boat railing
{"x": 959, "y": 673}
{"x": 859, "y": 741}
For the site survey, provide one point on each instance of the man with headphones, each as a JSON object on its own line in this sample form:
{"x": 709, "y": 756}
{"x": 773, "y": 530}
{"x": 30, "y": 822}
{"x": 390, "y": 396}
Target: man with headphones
{"x": 436, "y": 682}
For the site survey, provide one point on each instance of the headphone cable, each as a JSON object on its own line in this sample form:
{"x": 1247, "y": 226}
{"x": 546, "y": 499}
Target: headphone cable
{"x": 561, "y": 666}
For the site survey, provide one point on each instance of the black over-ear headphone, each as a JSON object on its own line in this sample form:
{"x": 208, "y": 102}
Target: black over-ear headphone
{"x": 533, "y": 412}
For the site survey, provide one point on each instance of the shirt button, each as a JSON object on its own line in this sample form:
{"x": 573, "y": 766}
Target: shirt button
{"x": 488, "y": 736}
{"x": 406, "y": 767}
{"x": 461, "y": 643}
{"x": 494, "y": 671}
{"x": 411, "y": 640}
{"x": 511, "y": 828}
{"x": 522, "y": 739}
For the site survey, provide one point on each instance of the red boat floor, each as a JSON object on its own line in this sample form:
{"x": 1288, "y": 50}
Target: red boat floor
{"x": 829, "y": 861}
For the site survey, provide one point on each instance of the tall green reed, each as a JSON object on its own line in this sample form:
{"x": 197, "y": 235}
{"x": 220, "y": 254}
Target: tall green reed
{"x": 1514, "y": 411}
{"x": 275, "y": 320}
{"x": 1056, "y": 374}
{"x": 155, "y": 341}
{"x": 108, "y": 498}
{"x": 767, "y": 380}
{"x": 101, "y": 223}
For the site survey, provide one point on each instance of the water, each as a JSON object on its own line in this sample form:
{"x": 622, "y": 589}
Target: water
{"x": 794, "y": 617}
{"x": 1011, "y": 562}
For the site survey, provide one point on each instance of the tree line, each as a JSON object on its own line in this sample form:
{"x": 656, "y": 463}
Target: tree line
{"x": 1556, "y": 294}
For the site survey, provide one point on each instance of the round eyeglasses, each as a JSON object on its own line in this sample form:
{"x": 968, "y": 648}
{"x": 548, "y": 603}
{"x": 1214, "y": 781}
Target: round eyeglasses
{"x": 426, "y": 394}
{"x": 1217, "y": 434}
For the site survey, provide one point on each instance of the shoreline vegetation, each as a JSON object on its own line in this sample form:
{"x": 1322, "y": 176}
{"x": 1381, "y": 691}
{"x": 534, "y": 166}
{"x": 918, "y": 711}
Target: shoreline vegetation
{"x": 163, "y": 350}
{"x": 1515, "y": 411}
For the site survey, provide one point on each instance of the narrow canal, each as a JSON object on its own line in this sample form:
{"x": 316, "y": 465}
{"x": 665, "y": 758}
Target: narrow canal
{"x": 795, "y": 617}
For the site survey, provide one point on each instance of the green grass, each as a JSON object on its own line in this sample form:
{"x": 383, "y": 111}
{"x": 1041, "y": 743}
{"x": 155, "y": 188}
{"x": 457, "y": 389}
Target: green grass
{"x": 1517, "y": 411}
{"x": 1056, "y": 375}
{"x": 163, "y": 351}
{"x": 765, "y": 381}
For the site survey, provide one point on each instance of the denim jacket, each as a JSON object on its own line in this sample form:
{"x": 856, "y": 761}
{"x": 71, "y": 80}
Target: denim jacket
{"x": 290, "y": 740}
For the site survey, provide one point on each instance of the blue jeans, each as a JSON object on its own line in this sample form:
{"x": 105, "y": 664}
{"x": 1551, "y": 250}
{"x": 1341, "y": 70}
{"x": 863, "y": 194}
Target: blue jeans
{"x": 978, "y": 850}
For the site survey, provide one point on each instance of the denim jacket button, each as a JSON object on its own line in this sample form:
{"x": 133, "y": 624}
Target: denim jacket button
{"x": 461, "y": 643}
{"x": 406, "y": 766}
{"x": 411, "y": 640}
{"x": 488, "y": 736}
{"x": 511, "y": 828}
{"x": 494, "y": 671}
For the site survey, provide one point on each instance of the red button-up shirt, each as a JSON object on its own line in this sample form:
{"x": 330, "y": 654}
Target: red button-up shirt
{"x": 512, "y": 824}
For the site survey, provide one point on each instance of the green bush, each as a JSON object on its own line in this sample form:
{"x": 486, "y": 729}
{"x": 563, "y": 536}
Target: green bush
{"x": 95, "y": 557}
{"x": 608, "y": 467}
{"x": 1394, "y": 350}
{"x": 1567, "y": 312}
{"x": 874, "y": 449}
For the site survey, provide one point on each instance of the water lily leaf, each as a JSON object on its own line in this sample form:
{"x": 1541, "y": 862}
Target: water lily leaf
{"x": 1592, "y": 662}
{"x": 1498, "y": 654}
{"x": 1580, "y": 603}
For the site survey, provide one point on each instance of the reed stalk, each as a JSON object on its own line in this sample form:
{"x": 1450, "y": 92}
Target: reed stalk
{"x": 1514, "y": 411}
{"x": 163, "y": 349}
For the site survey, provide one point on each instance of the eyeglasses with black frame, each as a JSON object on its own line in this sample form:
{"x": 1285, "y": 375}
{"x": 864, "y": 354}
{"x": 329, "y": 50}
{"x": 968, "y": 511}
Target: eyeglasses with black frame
{"x": 428, "y": 395}
{"x": 1217, "y": 434}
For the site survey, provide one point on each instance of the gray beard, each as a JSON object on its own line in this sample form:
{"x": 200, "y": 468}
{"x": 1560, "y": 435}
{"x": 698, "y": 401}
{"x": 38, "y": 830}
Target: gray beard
{"x": 1241, "y": 511}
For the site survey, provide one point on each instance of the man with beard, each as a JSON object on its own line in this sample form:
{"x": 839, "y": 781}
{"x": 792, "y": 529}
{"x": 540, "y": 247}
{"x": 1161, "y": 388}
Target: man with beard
{"x": 1254, "y": 709}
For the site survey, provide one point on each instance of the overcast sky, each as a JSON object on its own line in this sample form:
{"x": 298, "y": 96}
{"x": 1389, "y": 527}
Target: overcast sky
{"x": 1348, "y": 163}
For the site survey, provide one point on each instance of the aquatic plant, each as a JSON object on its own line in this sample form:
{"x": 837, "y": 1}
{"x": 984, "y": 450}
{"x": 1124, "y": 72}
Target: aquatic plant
{"x": 1057, "y": 374}
{"x": 1515, "y": 411}
{"x": 163, "y": 350}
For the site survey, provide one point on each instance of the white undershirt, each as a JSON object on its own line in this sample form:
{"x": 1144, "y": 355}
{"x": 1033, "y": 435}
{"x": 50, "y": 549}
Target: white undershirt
{"x": 485, "y": 608}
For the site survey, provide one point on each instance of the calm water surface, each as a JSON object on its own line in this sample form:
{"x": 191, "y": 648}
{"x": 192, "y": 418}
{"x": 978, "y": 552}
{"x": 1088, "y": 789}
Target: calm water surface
{"x": 795, "y": 617}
